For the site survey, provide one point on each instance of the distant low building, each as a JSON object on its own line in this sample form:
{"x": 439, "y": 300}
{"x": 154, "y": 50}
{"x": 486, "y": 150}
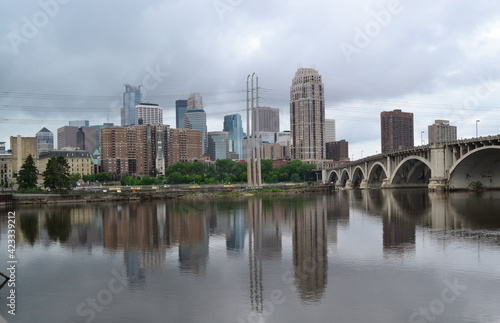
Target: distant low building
{"x": 6, "y": 173}
{"x": 80, "y": 161}
{"x": 22, "y": 147}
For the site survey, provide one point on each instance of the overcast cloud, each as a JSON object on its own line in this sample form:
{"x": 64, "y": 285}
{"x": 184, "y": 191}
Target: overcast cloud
{"x": 68, "y": 60}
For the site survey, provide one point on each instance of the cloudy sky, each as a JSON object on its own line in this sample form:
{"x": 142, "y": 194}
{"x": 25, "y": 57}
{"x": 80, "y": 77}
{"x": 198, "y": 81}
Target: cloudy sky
{"x": 66, "y": 60}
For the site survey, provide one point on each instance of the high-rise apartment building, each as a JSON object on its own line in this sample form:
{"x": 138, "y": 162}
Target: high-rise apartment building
{"x": 184, "y": 145}
{"x": 307, "y": 115}
{"x": 131, "y": 98}
{"x": 22, "y": 147}
{"x": 397, "y": 130}
{"x": 329, "y": 131}
{"x": 441, "y": 131}
{"x": 180, "y": 110}
{"x": 98, "y": 132}
{"x": 45, "y": 140}
{"x": 337, "y": 150}
{"x": 218, "y": 145}
{"x": 196, "y": 118}
{"x": 268, "y": 118}
{"x": 134, "y": 150}
{"x": 234, "y": 126}
{"x": 148, "y": 113}
{"x": 115, "y": 156}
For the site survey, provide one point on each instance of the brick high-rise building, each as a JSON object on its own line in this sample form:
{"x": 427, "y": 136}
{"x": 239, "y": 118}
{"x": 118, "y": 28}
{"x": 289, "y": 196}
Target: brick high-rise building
{"x": 184, "y": 145}
{"x": 441, "y": 131}
{"x": 397, "y": 130}
{"x": 134, "y": 150}
{"x": 307, "y": 115}
{"x": 337, "y": 150}
{"x": 115, "y": 156}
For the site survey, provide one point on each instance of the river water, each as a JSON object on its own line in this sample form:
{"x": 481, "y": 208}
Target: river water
{"x": 347, "y": 256}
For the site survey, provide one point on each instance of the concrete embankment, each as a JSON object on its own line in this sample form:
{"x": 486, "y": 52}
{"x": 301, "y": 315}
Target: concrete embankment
{"x": 167, "y": 193}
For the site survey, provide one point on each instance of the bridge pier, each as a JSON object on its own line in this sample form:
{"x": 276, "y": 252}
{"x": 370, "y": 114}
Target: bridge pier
{"x": 364, "y": 184}
{"x": 438, "y": 184}
{"x": 348, "y": 184}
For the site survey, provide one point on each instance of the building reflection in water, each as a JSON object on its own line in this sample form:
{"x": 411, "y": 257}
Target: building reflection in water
{"x": 188, "y": 225}
{"x": 137, "y": 230}
{"x": 310, "y": 256}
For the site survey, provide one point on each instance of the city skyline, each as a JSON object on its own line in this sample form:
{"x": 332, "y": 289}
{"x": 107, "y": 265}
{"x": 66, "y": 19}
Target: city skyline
{"x": 410, "y": 60}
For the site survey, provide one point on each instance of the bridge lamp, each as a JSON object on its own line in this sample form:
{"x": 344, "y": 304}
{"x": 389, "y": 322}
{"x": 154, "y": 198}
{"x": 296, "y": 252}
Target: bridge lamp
{"x": 476, "y": 127}
{"x": 422, "y": 138}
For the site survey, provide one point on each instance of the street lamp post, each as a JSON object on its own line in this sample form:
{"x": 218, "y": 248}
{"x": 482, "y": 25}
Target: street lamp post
{"x": 476, "y": 127}
{"x": 422, "y": 138}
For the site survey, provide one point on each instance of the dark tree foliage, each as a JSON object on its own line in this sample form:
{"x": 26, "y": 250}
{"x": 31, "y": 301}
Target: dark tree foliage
{"x": 26, "y": 179}
{"x": 56, "y": 176}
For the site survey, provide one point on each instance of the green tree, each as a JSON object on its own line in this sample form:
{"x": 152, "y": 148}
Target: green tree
{"x": 295, "y": 178}
{"x": 175, "y": 178}
{"x": 26, "y": 179}
{"x": 73, "y": 178}
{"x": 56, "y": 176}
{"x": 102, "y": 177}
{"x": 146, "y": 180}
{"x": 306, "y": 172}
{"x": 127, "y": 180}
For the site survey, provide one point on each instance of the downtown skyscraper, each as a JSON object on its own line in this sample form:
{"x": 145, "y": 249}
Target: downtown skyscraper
{"x": 234, "y": 126}
{"x": 196, "y": 118}
{"x": 131, "y": 98}
{"x": 307, "y": 115}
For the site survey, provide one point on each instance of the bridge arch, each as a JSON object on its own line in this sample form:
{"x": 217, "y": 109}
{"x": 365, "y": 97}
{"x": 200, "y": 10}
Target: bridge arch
{"x": 377, "y": 174}
{"x": 333, "y": 176}
{"x": 358, "y": 175}
{"x": 411, "y": 171}
{"x": 344, "y": 177}
{"x": 478, "y": 165}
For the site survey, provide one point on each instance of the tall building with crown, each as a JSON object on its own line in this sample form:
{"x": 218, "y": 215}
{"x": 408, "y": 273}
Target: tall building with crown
{"x": 307, "y": 115}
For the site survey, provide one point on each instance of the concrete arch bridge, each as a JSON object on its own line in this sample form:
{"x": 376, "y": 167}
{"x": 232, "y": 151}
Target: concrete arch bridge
{"x": 447, "y": 166}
